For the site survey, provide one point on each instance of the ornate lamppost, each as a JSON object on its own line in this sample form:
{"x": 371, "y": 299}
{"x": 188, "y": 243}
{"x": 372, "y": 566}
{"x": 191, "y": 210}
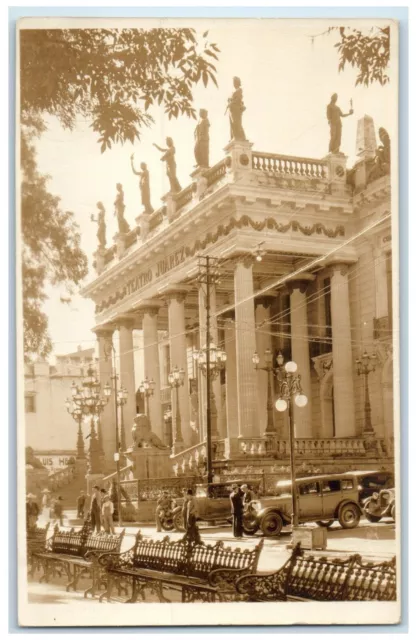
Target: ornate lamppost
{"x": 77, "y": 414}
{"x": 289, "y": 390}
{"x": 121, "y": 401}
{"x": 364, "y": 366}
{"x": 88, "y": 400}
{"x": 270, "y": 370}
{"x": 147, "y": 388}
{"x": 211, "y": 360}
{"x": 176, "y": 380}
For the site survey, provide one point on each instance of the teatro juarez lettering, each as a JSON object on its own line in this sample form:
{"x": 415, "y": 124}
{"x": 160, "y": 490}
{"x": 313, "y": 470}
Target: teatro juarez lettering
{"x": 153, "y": 273}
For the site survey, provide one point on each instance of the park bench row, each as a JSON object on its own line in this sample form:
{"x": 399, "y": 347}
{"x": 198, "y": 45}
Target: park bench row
{"x": 202, "y": 572}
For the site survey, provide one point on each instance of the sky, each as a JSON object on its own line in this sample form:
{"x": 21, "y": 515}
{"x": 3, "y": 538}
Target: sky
{"x": 287, "y": 79}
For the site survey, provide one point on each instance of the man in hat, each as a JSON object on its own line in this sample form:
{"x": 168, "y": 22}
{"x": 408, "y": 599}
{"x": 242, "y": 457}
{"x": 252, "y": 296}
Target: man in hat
{"x": 58, "y": 511}
{"x": 236, "y": 499}
{"x": 95, "y": 509}
{"x": 32, "y": 511}
{"x": 81, "y": 504}
{"x": 248, "y": 496}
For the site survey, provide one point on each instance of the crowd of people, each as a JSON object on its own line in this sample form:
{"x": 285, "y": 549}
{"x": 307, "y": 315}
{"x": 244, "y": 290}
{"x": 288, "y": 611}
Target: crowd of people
{"x": 98, "y": 509}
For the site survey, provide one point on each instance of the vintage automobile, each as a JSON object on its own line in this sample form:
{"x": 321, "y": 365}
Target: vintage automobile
{"x": 380, "y": 505}
{"x": 212, "y": 502}
{"x": 322, "y": 499}
{"x": 373, "y": 481}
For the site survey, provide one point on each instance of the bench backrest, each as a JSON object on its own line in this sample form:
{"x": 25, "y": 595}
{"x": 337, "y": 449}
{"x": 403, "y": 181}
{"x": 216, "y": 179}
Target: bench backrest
{"x": 36, "y": 538}
{"x": 78, "y": 543}
{"x": 333, "y": 579}
{"x": 196, "y": 560}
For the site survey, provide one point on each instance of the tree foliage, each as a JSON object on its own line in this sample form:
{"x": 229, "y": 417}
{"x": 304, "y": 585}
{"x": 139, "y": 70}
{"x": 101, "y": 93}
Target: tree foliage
{"x": 369, "y": 53}
{"x": 51, "y": 244}
{"x": 111, "y": 78}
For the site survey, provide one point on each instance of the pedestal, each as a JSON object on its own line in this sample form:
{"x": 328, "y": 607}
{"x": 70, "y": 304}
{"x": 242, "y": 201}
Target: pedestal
{"x": 240, "y": 163}
{"x": 336, "y": 164}
{"x": 169, "y": 201}
{"x": 200, "y": 182}
{"x": 142, "y": 221}
{"x": 120, "y": 241}
{"x": 310, "y": 537}
{"x": 99, "y": 256}
{"x": 149, "y": 462}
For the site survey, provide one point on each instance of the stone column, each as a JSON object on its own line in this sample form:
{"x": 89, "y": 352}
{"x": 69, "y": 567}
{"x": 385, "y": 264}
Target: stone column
{"x": 344, "y": 399}
{"x": 247, "y": 388}
{"x": 178, "y": 357}
{"x": 127, "y": 375}
{"x": 263, "y": 342}
{"x": 231, "y": 384}
{"x": 107, "y": 418}
{"x": 381, "y": 289}
{"x": 300, "y": 354}
{"x": 152, "y": 367}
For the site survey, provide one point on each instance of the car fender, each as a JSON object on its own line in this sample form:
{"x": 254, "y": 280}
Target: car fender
{"x": 347, "y": 501}
{"x": 273, "y": 509}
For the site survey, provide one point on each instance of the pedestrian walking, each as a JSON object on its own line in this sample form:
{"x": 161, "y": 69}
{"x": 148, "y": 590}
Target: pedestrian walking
{"x": 81, "y": 504}
{"x": 107, "y": 510}
{"x": 189, "y": 511}
{"x": 46, "y": 505}
{"x": 236, "y": 499}
{"x": 58, "y": 512}
{"x": 32, "y": 511}
{"x": 95, "y": 509}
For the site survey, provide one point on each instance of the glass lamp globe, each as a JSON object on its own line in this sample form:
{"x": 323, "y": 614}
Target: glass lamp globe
{"x": 290, "y": 367}
{"x": 301, "y": 400}
{"x": 281, "y": 404}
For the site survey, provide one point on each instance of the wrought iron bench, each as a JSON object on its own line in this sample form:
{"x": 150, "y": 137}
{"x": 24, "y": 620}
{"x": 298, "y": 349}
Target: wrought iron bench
{"x": 314, "y": 577}
{"x": 182, "y": 566}
{"x": 76, "y": 553}
{"x": 35, "y": 542}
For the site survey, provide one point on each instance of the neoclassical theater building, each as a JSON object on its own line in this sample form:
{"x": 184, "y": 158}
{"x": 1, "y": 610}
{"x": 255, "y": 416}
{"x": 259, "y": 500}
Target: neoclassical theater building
{"x": 303, "y": 249}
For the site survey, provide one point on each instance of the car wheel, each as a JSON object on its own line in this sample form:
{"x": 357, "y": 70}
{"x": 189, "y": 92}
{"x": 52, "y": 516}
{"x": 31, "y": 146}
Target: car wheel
{"x": 325, "y": 523}
{"x": 179, "y": 522}
{"x": 349, "y": 516}
{"x": 271, "y": 524}
{"x": 371, "y": 517}
{"x": 250, "y": 525}
{"x": 167, "y": 524}
{"x": 393, "y": 512}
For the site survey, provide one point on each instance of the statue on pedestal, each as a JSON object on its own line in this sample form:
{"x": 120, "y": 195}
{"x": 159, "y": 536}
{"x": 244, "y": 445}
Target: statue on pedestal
{"x": 334, "y": 117}
{"x": 202, "y": 139}
{"x": 236, "y": 108}
{"x": 101, "y": 222}
{"x": 145, "y": 191}
{"x": 382, "y": 161}
{"x": 143, "y": 436}
{"x": 171, "y": 165}
{"x": 119, "y": 206}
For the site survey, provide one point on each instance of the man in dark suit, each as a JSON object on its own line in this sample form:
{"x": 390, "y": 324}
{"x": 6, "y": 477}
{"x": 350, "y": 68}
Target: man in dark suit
{"x": 236, "y": 499}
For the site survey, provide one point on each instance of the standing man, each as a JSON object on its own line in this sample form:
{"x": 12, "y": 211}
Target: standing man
{"x": 236, "y": 499}
{"x": 81, "y": 504}
{"x": 58, "y": 511}
{"x": 95, "y": 509}
{"x": 248, "y": 496}
{"x": 163, "y": 505}
{"x": 32, "y": 511}
{"x": 107, "y": 510}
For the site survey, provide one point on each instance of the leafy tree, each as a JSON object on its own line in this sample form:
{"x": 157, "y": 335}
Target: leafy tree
{"x": 51, "y": 244}
{"x": 369, "y": 53}
{"x": 111, "y": 78}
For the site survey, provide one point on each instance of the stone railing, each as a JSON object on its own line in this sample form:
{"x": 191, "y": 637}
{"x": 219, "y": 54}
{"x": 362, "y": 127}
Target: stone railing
{"x": 131, "y": 237}
{"x": 126, "y": 473}
{"x": 315, "y": 447}
{"x": 184, "y": 197}
{"x": 216, "y": 173}
{"x": 289, "y": 165}
{"x": 110, "y": 255}
{"x": 193, "y": 459}
{"x": 156, "y": 218}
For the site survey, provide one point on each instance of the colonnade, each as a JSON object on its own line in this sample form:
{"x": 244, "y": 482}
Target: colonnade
{"x": 245, "y": 331}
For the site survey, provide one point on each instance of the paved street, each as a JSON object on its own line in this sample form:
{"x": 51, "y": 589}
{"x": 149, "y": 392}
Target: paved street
{"x": 372, "y": 541}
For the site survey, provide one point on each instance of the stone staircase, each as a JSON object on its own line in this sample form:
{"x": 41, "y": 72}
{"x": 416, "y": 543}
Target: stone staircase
{"x": 68, "y": 488}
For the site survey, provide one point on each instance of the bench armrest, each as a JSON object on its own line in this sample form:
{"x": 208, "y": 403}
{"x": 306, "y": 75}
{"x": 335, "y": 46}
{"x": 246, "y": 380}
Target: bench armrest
{"x": 225, "y": 578}
{"x": 115, "y": 559}
{"x": 263, "y": 588}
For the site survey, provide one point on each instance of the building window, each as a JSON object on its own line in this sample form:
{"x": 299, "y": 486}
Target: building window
{"x": 30, "y": 404}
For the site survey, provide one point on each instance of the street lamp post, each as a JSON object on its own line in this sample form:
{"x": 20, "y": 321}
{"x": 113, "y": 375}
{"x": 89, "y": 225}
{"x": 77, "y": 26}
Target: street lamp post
{"x": 211, "y": 361}
{"x": 147, "y": 388}
{"x": 364, "y": 366}
{"x": 289, "y": 389}
{"x": 270, "y": 370}
{"x": 176, "y": 380}
{"x": 88, "y": 400}
{"x": 77, "y": 414}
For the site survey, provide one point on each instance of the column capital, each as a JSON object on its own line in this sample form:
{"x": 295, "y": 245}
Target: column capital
{"x": 178, "y": 295}
{"x": 292, "y": 285}
{"x": 104, "y": 332}
{"x": 341, "y": 267}
{"x": 228, "y": 316}
{"x": 246, "y": 260}
{"x": 125, "y": 323}
{"x": 265, "y": 300}
{"x": 150, "y": 310}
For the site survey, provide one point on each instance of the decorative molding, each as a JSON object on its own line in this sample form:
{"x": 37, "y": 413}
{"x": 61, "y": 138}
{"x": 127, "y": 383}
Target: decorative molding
{"x": 225, "y": 229}
{"x": 300, "y": 284}
{"x": 178, "y": 296}
{"x": 322, "y": 364}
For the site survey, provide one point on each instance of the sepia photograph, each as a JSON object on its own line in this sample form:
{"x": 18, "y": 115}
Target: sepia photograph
{"x": 207, "y": 274}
